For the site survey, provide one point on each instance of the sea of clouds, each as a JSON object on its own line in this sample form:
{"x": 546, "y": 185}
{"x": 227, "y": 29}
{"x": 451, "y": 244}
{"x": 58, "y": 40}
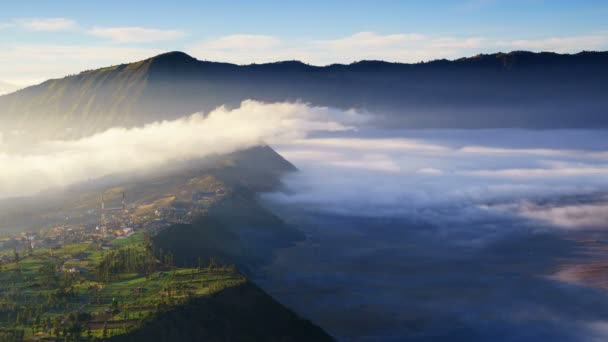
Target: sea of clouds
{"x": 462, "y": 174}
{"x": 31, "y": 168}
{"x": 420, "y": 234}
{"x": 445, "y": 235}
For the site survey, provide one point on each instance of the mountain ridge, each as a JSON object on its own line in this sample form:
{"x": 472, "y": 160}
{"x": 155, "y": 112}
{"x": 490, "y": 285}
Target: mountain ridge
{"x": 504, "y": 59}
{"x": 500, "y": 59}
{"x": 503, "y": 90}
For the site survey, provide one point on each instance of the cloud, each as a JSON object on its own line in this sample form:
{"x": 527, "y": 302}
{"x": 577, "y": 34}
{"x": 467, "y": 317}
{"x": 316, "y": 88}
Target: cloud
{"x": 243, "y": 41}
{"x": 407, "y": 47}
{"x": 440, "y": 176}
{"x": 380, "y": 162}
{"x": 46, "y": 24}
{"x": 136, "y": 34}
{"x": 564, "y": 170}
{"x": 472, "y": 256}
{"x": 558, "y": 44}
{"x": 520, "y": 151}
{"x": 57, "y": 163}
{"x": 304, "y": 154}
{"x": 6, "y": 88}
{"x": 400, "y": 47}
{"x": 363, "y": 40}
{"x": 579, "y": 216}
{"x": 28, "y": 64}
{"x": 396, "y": 47}
{"x": 372, "y": 144}
{"x": 429, "y": 171}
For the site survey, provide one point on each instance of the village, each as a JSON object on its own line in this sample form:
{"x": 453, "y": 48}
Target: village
{"x": 109, "y": 223}
{"x": 102, "y": 278}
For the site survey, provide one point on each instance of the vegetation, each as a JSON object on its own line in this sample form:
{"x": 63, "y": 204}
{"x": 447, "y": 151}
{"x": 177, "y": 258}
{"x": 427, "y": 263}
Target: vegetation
{"x": 247, "y": 238}
{"x": 238, "y": 313}
{"x": 146, "y": 193}
{"x": 81, "y": 284}
{"x": 83, "y": 292}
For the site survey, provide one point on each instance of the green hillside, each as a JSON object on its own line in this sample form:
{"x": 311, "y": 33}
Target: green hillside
{"x": 83, "y": 292}
{"x": 165, "y": 269}
{"x": 86, "y": 292}
{"x": 238, "y": 173}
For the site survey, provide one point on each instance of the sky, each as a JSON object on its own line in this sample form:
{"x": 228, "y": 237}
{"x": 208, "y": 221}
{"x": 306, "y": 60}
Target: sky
{"x": 51, "y": 39}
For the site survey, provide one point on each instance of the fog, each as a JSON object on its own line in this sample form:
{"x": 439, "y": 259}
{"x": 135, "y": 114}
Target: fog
{"x": 402, "y": 175}
{"x": 29, "y": 168}
{"x": 449, "y": 235}
{"x": 411, "y": 234}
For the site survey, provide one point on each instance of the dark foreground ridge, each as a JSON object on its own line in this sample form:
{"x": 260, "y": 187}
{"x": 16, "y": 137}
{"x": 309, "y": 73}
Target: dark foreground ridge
{"x": 240, "y": 313}
{"x": 503, "y": 90}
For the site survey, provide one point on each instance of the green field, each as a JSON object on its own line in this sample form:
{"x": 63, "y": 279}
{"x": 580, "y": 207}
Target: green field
{"x": 82, "y": 292}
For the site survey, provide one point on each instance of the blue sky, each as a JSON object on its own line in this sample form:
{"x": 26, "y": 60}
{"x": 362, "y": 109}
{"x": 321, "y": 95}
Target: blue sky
{"x": 44, "y": 39}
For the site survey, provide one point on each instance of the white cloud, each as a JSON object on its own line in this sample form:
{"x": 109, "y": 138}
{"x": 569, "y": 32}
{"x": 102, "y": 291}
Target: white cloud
{"x": 379, "y": 162}
{"x": 364, "y": 40}
{"x": 136, "y": 34}
{"x": 373, "y": 144}
{"x": 401, "y": 47}
{"x": 592, "y": 215}
{"x": 550, "y": 172}
{"x": 33, "y": 63}
{"x": 409, "y": 47}
{"x": 429, "y": 175}
{"x": 46, "y": 24}
{"x": 558, "y": 44}
{"x": 223, "y": 130}
{"x": 518, "y": 151}
{"x": 305, "y": 154}
{"x": 6, "y": 88}
{"x": 429, "y": 171}
{"x": 398, "y": 47}
{"x": 545, "y": 152}
{"x": 243, "y": 41}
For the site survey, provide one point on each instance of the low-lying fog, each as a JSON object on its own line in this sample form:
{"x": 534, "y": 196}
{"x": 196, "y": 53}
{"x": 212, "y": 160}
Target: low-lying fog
{"x": 29, "y": 166}
{"x": 454, "y": 235}
{"x": 494, "y": 235}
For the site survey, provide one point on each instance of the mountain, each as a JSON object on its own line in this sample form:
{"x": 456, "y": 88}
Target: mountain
{"x": 202, "y": 213}
{"x": 517, "y": 89}
{"x": 6, "y": 88}
{"x": 241, "y": 175}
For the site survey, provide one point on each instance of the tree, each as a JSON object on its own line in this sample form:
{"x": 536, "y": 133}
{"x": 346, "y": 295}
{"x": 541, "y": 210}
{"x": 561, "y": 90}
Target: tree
{"x": 30, "y": 248}
{"x": 213, "y": 264}
{"x": 15, "y": 255}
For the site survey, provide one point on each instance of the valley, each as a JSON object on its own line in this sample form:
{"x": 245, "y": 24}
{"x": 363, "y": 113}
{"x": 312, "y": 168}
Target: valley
{"x": 115, "y": 259}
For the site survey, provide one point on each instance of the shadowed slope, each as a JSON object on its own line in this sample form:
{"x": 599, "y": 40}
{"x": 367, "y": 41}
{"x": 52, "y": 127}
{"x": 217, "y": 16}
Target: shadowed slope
{"x": 518, "y": 89}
